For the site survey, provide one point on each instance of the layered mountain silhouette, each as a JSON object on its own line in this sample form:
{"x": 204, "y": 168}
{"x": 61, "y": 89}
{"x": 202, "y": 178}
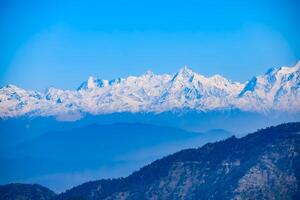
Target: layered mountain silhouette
{"x": 262, "y": 165}
{"x": 70, "y": 153}
{"x": 278, "y": 90}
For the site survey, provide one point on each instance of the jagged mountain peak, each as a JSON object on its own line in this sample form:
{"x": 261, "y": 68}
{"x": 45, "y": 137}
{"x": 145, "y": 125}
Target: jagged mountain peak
{"x": 285, "y": 70}
{"x": 274, "y": 75}
{"x": 277, "y": 89}
{"x": 184, "y": 72}
{"x": 187, "y": 77}
{"x": 93, "y": 83}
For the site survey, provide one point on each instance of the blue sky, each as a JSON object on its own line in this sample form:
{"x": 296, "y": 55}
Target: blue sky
{"x": 61, "y": 43}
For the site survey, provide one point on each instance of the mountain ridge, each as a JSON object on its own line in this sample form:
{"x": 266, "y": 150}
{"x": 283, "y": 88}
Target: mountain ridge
{"x": 261, "y": 165}
{"x": 275, "y": 91}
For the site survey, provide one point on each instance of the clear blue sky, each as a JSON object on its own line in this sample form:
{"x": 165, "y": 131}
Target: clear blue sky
{"x": 61, "y": 43}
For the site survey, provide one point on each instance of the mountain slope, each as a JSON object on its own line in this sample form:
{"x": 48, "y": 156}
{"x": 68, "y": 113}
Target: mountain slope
{"x": 277, "y": 90}
{"x": 263, "y": 165}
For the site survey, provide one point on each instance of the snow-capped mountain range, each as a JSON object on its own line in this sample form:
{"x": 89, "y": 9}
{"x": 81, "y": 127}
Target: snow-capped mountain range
{"x": 277, "y": 90}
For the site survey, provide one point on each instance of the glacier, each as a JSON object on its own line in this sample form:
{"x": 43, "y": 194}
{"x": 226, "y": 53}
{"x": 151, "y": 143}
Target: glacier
{"x": 278, "y": 90}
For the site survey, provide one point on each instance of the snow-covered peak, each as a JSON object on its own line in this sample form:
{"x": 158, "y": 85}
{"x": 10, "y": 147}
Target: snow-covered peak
{"x": 273, "y": 77}
{"x": 278, "y": 89}
{"x": 93, "y": 83}
{"x": 185, "y": 70}
{"x": 284, "y": 70}
{"x": 184, "y": 73}
{"x": 16, "y": 92}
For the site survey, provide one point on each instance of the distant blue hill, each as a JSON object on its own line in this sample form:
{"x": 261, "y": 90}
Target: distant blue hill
{"x": 121, "y": 145}
{"x": 17, "y": 130}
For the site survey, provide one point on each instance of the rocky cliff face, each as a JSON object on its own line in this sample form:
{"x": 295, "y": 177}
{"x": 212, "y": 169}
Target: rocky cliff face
{"x": 263, "y": 165}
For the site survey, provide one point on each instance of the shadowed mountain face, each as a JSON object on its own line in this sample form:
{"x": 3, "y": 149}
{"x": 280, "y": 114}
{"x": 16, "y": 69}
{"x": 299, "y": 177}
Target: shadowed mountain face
{"x": 25, "y": 192}
{"x": 262, "y": 165}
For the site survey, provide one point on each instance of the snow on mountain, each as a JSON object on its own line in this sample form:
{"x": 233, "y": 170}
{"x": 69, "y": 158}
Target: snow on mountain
{"x": 277, "y": 90}
{"x": 15, "y": 101}
{"x": 93, "y": 83}
{"x": 192, "y": 90}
